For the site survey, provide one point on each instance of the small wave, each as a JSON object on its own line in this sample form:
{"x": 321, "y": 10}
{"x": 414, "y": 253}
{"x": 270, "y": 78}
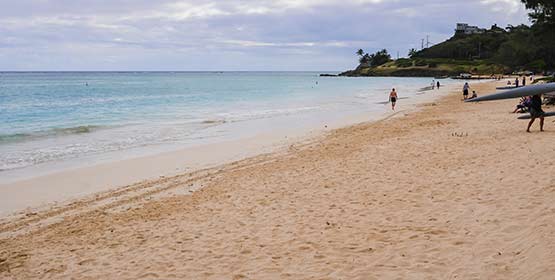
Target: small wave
{"x": 19, "y": 137}
{"x": 77, "y": 129}
{"x": 264, "y": 113}
{"x": 213, "y": 121}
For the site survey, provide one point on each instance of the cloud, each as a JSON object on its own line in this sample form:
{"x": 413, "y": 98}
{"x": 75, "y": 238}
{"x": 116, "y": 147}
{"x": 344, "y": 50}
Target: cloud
{"x": 511, "y": 6}
{"x": 227, "y": 35}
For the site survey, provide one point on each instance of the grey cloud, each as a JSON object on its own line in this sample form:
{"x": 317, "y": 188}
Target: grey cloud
{"x": 226, "y": 35}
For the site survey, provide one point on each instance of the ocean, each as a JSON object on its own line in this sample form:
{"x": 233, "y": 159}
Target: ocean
{"x": 56, "y": 116}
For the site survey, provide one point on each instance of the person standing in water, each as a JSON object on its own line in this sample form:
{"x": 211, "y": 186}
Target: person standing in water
{"x": 393, "y": 98}
{"x": 438, "y": 85}
{"x": 536, "y": 112}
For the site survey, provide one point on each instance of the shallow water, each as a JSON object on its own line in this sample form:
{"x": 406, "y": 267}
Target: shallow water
{"x": 53, "y": 116}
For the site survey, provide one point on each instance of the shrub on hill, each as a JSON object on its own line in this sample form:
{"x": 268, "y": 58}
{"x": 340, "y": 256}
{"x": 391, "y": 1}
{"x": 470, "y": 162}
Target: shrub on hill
{"x": 403, "y": 62}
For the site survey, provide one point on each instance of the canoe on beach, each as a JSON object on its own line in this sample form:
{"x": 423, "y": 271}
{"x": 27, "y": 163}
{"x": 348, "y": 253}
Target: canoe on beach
{"x": 517, "y": 92}
{"x": 527, "y": 116}
{"x": 504, "y": 88}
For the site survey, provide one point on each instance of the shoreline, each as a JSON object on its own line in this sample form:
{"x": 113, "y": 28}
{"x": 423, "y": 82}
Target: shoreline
{"x": 61, "y": 182}
{"x": 431, "y": 195}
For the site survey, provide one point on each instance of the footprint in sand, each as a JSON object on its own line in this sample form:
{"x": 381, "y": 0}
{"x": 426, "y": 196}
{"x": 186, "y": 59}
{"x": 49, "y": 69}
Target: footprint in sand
{"x": 149, "y": 274}
{"x": 85, "y": 262}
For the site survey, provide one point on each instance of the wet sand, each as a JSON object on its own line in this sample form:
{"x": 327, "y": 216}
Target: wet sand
{"x": 453, "y": 191}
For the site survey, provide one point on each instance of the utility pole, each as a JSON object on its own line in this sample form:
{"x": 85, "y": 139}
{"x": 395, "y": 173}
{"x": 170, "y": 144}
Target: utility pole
{"x": 397, "y": 54}
{"x": 427, "y": 41}
{"x": 422, "y": 46}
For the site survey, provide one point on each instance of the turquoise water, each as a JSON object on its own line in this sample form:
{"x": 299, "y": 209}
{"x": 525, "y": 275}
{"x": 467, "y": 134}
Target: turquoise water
{"x": 54, "y": 116}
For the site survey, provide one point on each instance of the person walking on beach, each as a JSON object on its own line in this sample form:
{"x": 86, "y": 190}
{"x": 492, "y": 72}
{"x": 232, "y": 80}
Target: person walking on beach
{"x": 516, "y": 82}
{"x": 523, "y": 81}
{"x": 438, "y": 85}
{"x": 393, "y": 98}
{"x": 535, "y": 109}
{"x": 466, "y": 87}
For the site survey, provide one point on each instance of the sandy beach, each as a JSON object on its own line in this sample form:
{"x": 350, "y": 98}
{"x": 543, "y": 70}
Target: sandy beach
{"x": 42, "y": 186}
{"x": 450, "y": 191}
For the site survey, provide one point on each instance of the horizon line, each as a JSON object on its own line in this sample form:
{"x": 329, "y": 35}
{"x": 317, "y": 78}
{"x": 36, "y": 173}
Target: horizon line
{"x": 160, "y": 71}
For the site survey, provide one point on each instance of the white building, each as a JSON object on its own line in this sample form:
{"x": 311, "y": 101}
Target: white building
{"x": 464, "y": 28}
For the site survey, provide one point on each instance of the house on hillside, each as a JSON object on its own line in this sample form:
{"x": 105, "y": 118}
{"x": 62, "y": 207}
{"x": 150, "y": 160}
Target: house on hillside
{"x": 464, "y": 28}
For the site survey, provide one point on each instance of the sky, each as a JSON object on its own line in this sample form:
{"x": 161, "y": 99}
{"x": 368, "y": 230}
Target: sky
{"x": 228, "y": 35}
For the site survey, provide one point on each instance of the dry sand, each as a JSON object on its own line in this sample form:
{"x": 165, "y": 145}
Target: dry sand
{"x": 454, "y": 191}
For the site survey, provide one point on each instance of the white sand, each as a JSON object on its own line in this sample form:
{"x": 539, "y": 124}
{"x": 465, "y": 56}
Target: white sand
{"x": 457, "y": 191}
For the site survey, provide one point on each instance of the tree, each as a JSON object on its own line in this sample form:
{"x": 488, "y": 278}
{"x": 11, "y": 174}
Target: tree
{"x": 412, "y": 52}
{"x": 543, "y": 17}
{"x": 364, "y": 59}
{"x": 543, "y": 11}
{"x": 360, "y": 52}
{"x": 379, "y": 58}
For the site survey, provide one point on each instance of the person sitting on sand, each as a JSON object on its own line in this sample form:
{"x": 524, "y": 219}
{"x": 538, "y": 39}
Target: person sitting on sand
{"x": 393, "y": 98}
{"x": 466, "y": 87}
{"x": 535, "y": 109}
{"x": 524, "y": 103}
{"x": 474, "y": 95}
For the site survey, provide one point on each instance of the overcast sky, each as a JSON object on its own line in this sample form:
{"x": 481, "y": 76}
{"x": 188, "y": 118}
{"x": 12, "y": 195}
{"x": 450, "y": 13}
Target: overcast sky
{"x": 228, "y": 34}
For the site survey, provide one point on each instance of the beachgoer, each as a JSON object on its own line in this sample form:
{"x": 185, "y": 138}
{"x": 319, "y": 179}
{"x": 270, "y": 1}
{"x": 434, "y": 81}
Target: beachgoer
{"x": 535, "y": 109}
{"x": 466, "y": 87}
{"x": 474, "y": 95}
{"x": 393, "y": 98}
{"x": 516, "y": 82}
{"x": 523, "y": 81}
{"x": 438, "y": 85}
{"x": 522, "y": 105}
{"x": 433, "y": 84}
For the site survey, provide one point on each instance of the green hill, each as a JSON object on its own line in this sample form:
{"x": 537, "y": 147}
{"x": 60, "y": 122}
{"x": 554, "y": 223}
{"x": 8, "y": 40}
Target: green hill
{"x": 429, "y": 67}
{"x": 517, "y": 49}
{"x": 495, "y": 51}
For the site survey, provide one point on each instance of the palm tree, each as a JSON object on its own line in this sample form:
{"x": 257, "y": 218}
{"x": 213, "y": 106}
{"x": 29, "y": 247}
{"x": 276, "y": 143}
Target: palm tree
{"x": 360, "y": 52}
{"x": 365, "y": 59}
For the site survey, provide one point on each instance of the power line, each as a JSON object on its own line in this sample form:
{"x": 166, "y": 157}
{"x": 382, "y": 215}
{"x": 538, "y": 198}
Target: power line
{"x": 425, "y": 42}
